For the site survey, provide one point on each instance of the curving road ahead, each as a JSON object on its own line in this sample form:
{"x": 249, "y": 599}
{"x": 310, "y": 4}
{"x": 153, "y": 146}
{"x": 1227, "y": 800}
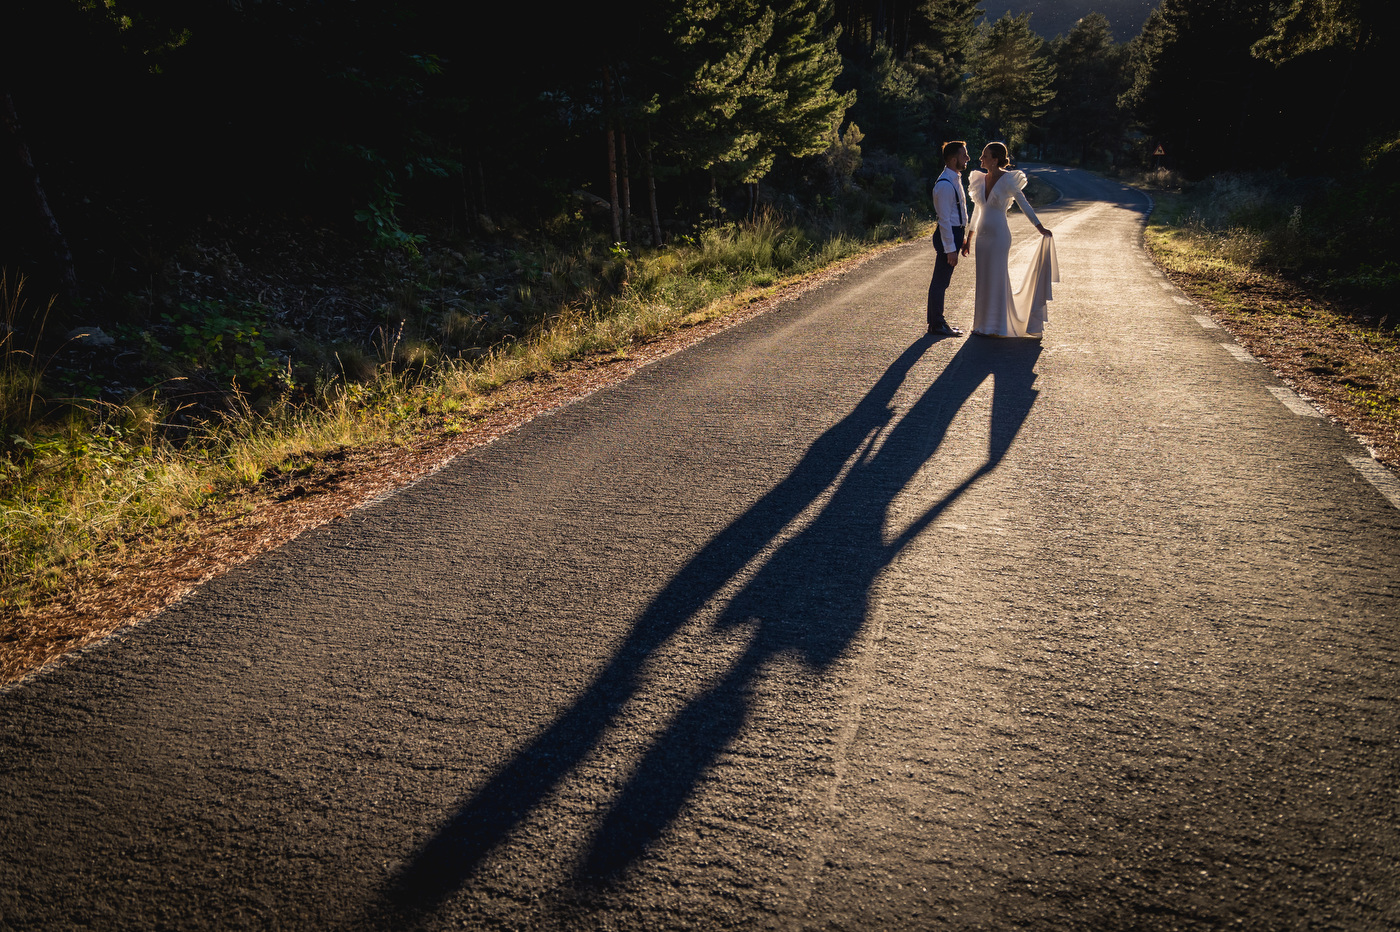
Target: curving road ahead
{"x": 816, "y": 625}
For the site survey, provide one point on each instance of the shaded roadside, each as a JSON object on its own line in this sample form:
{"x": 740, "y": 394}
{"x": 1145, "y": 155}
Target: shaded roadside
{"x": 138, "y": 578}
{"x": 1343, "y": 358}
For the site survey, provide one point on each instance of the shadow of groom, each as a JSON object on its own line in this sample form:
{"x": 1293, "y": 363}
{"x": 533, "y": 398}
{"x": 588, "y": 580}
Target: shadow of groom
{"x": 808, "y": 599}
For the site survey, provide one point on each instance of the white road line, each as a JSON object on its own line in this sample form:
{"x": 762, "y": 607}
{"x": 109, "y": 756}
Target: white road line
{"x": 1380, "y": 477}
{"x": 1166, "y": 286}
{"x": 1205, "y": 321}
{"x": 1293, "y": 402}
{"x": 1238, "y": 352}
{"x": 1180, "y": 300}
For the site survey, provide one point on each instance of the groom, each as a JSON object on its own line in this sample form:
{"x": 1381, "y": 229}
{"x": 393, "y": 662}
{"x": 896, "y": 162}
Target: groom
{"x": 950, "y": 203}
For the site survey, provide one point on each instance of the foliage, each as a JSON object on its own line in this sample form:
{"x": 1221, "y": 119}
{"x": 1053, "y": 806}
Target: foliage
{"x": 1332, "y": 238}
{"x": 889, "y": 95}
{"x": 1012, "y": 78}
{"x": 1226, "y": 85}
{"x": 21, "y": 362}
{"x": 221, "y": 344}
{"x": 842, "y": 157}
{"x": 110, "y": 474}
{"x": 1192, "y": 73}
{"x": 1087, "y": 124}
{"x": 1321, "y": 25}
{"x": 807, "y": 65}
{"x": 756, "y": 84}
{"x": 942, "y": 60}
{"x": 1347, "y": 39}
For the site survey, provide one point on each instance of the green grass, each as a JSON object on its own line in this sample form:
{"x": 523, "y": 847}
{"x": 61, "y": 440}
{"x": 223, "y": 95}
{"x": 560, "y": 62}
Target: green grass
{"x": 81, "y": 480}
{"x": 1232, "y": 246}
{"x": 1332, "y": 238}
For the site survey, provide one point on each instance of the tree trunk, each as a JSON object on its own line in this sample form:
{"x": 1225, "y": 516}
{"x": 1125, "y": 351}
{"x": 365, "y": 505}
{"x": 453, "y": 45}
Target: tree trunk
{"x": 481, "y": 187}
{"x": 651, "y": 191}
{"x": 615, "y": 101}
{"x": 612, "y": 158}
{"x": 626, "y": 185}
{"x": 58, "y": 244}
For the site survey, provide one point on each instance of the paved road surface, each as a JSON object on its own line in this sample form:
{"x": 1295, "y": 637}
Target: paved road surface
{"x": 817, "y": 625}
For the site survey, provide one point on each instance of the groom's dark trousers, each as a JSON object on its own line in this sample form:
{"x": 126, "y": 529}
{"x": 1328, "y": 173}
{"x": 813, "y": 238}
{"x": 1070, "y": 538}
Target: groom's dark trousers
{"x": 942, "y": 276}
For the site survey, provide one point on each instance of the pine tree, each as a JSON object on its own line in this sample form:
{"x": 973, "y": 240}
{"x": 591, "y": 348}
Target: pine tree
{"x": 713, "y": 58}
{"x": 1323, "y": 25}
{"x": 1090, "y": 75}
{"x": 1196, "y": 87}
{"x": 1346, "y": 40}
{"x": 945, "y": 39}
{"x": 807, "y": 66}
{"x": 755, "y": 82}
{"x": 1012, "y": 79}
{"x": 944, "y": 42}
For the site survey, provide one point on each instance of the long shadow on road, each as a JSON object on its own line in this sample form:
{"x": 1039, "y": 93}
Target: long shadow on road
{"x": 809, "y": 599}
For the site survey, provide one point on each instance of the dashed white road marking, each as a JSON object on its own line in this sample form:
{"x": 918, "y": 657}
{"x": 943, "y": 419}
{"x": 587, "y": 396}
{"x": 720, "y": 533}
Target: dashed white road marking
{"x": 1293, "y": 402}
{"x": 1166, "y": 286}
{"x": 1380, "y": 477}
{"x": 1238, "y": 352}
{"x": 1205, "y": 321}
{"x": 1180, "y": 300}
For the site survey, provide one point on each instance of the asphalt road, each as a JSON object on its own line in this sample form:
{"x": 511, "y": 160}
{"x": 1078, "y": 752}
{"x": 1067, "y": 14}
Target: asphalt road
{"x": 816, "y": 625}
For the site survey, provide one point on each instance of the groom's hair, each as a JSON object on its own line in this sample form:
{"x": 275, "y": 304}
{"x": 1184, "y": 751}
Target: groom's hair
{"x": 950, "y": 149}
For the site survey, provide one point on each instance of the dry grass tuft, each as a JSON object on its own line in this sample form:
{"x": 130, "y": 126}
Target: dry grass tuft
{"x": 176, "y": 520}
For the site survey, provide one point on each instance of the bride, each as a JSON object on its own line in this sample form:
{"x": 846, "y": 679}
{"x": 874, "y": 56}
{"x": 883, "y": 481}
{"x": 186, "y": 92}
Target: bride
{"x": 1001, "y": 312}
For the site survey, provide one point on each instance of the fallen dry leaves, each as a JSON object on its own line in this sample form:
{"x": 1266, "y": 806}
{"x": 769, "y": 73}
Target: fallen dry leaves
{"x": 1318, "y": 348}
{"x": 1287, "y": 329}
{"x": 147, "y": 575}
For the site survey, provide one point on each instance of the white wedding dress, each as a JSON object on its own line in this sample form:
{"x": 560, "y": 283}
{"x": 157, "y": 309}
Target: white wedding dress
{"x": 999, "y": 310}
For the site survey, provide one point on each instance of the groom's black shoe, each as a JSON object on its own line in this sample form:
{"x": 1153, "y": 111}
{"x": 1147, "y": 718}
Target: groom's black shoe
{"x": 944, "y": 330}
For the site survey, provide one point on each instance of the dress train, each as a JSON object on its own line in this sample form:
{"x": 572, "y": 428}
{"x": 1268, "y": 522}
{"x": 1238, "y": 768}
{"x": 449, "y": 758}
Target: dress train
{"x": 999, "y": 311}
{"x": 1028, "y": 313}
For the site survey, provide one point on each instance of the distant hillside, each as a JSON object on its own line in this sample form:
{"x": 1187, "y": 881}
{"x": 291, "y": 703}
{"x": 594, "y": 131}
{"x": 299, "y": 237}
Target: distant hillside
{"x": 1050, "y": 18}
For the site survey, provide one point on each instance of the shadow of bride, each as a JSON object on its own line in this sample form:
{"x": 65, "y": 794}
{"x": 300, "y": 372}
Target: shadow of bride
{"x": 809, "y": 599}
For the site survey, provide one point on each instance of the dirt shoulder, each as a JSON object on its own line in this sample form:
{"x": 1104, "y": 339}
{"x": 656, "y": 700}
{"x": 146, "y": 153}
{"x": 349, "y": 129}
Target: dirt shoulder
{"x": 1331, "y": 354}
{"x": 143, "y": 576}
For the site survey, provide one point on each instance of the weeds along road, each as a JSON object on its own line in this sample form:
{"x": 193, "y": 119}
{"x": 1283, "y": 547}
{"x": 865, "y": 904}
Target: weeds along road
{"x": 816, "y": 625}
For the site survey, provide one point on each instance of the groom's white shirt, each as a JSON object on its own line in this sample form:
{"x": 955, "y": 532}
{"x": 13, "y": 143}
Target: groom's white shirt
{"x": 945, "y": 206}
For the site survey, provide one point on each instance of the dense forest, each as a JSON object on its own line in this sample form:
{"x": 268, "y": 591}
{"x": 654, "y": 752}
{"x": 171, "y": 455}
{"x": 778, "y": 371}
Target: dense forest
{"x": 140, "y": 131}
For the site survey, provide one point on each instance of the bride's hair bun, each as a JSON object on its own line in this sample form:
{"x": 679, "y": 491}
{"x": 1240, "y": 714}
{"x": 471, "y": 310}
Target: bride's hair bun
{"x": 1000, "y": 153}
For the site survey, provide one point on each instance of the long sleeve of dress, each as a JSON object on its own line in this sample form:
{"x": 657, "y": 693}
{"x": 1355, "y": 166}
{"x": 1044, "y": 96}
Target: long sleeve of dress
{"x": 1021, "y": 180}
